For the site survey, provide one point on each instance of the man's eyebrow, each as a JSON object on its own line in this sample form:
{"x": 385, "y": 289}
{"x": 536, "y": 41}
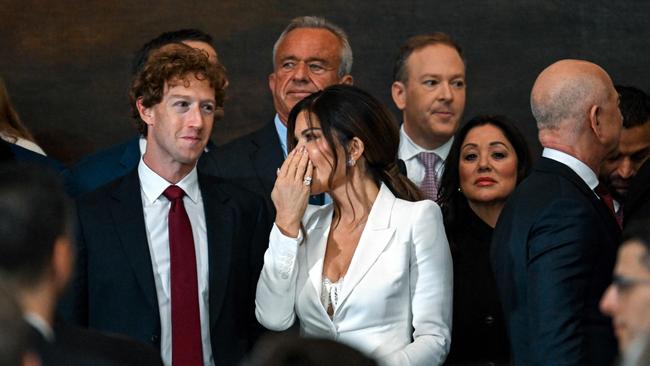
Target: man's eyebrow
{"x": 308, "y": 59}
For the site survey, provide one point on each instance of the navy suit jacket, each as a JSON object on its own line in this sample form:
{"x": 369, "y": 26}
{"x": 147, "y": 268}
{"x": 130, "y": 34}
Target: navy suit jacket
{"x": 73, "y": 346}
{"x": 553, "y": 253}
{"x": 113, "y": 288}
{"x": 251, "y": 160}
{"x": 107, "y": 165}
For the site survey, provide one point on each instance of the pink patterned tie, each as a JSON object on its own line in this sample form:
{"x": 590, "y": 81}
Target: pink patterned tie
{"x": 430, "y": 183}
{"x": 186, "y": 322}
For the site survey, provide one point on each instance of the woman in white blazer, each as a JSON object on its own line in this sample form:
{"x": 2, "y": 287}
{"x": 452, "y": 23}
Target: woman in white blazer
{"x": 373, "y": 268}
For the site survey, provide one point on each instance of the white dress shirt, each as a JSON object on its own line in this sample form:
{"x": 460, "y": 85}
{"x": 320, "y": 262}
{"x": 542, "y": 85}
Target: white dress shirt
{"x": 581, "y": 169}
{"x": 24, "y": 143}
{"x": 156, "y": 209}
{"x": 40, "y": 325}
{"x": 408, "y": 152}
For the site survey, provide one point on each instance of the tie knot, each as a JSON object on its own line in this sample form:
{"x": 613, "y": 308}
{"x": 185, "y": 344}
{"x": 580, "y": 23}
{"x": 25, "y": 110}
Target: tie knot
{"x": 602, "y": 191}
{"x": 428, "y": 159}
{"x": 173, "y": 193}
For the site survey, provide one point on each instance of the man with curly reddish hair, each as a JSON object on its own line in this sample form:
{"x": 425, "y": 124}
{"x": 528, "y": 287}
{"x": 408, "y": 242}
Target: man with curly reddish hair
{"x": 101, "y": 167}
{"x": 168, "y": 255}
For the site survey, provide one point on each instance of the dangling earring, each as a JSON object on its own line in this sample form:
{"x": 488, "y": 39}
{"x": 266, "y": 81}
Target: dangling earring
{"x": 460, "y": 190}
{"x": 351, "y": 162}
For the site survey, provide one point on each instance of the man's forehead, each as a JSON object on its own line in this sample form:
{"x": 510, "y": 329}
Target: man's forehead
{"x": 186, "y": 85}
{"x": 306, "y": 43}
{"x": 446, "y": 60}
{"x": 630, "y": 258}
{"x": 635, "y": 138}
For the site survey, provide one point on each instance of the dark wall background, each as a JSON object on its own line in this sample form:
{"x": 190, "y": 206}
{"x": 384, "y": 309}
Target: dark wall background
{"x": 66, "y": 63}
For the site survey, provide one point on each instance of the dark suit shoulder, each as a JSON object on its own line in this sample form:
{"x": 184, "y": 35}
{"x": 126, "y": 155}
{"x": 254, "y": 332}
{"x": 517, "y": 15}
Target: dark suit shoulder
{"x": 104, "y": 166}
{"x": 230, "y": 190}
{"x": 100, "y": 193}
{"x": 551, "y": 180}
{"x": 266, "y": 135}
{"x": 23, "y": 155}
{"x": 80, "y": 344}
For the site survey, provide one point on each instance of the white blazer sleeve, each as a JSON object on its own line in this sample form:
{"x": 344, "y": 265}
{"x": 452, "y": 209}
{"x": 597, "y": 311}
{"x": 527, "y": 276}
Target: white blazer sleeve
{"x": 276, "y": 289}
{"x": 431, "y": 282}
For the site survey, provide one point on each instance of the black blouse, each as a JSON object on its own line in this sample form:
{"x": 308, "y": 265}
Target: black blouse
{"x": 478, "y": 333}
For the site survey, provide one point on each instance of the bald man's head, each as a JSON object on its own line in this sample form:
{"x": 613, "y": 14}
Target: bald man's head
{"x": 565, "y": 91}
{"x": 576, "y": 108}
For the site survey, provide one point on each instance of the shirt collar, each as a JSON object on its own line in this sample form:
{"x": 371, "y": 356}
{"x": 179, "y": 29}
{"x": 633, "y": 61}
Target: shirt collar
{"x": 154, "y": 185}
{"x": 38, "y": 323}
{"x": 409, "y": 149}
{"x": 282, "y": 133}
{"x": 142, "y": 143}
{"x": 580, "y": 168}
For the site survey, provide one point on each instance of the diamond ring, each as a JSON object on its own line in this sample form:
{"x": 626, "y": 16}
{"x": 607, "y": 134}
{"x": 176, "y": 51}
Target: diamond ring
{"x": 307, "y": 181}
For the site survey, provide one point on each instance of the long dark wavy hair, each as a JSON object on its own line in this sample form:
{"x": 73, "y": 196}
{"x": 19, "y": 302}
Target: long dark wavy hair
{"x": 452, "y": 201}
{"x": 345, "y": 112}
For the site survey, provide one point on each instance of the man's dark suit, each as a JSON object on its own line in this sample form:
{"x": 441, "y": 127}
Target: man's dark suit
{"x": 637, "y": 203}
{"x": 104, "y": 166}
{"x": 73, "y": 346}
{"x": 113, "y": 289}
{"x": 553, "y": 252}
{"x": 251, "y": 160}
{"x": 107, "y": 165}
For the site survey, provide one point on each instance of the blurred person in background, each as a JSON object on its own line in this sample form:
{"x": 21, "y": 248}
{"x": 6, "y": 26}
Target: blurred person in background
{"x": 12, "y": 129}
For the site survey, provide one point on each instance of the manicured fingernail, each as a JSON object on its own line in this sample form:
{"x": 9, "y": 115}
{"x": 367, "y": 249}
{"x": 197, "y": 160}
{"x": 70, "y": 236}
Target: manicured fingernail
{"x": 277, "y": 171}
{"x": 302, "y": 149}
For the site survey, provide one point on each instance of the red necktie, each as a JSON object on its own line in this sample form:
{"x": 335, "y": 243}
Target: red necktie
{"x": 608, "y": 200}
{"x": 186, "y": 322}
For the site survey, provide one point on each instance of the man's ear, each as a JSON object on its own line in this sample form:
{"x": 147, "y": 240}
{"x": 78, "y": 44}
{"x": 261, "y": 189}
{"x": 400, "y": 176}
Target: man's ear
{"x": 594, "y": 122}
{"x": 398, "y": 92}
{"x": 62, "y": 261}
{"x": 272, "y": 82}
{"x": 347, "y": 80}
{"x": 146, "y": 114}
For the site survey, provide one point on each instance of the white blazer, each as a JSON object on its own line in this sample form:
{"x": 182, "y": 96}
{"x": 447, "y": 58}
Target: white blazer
{"x": 396, "y": 299}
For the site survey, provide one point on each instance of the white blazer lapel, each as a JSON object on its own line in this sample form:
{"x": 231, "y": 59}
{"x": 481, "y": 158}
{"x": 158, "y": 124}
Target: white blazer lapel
{"x": 318, "y": 228}
{"x": 374, "y": 238}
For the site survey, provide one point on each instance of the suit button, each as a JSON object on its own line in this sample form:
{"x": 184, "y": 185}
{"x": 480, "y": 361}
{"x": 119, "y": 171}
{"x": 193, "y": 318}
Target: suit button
{"x": 489, "y": 320}
{"x": 155, "y": 338}
{"x": 491, "y": 364}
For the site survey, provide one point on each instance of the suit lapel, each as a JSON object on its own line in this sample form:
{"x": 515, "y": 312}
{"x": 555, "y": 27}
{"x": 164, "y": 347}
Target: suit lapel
{"x": 220, "y": 223}
{"x": 267, "y": 156}
{"x": 127, "y": 213}
{"x": 374, "y": 239}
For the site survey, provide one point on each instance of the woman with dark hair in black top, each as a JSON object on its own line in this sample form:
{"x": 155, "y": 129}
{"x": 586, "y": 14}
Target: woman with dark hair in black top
{"x": 488, "y": 158}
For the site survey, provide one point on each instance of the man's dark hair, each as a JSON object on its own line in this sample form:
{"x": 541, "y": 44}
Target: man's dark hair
{"x": 141, "y": 56}
{"x": 34, "y": 213}
{"x": 634, "y": 105}
{"x": 400, "y": 71}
